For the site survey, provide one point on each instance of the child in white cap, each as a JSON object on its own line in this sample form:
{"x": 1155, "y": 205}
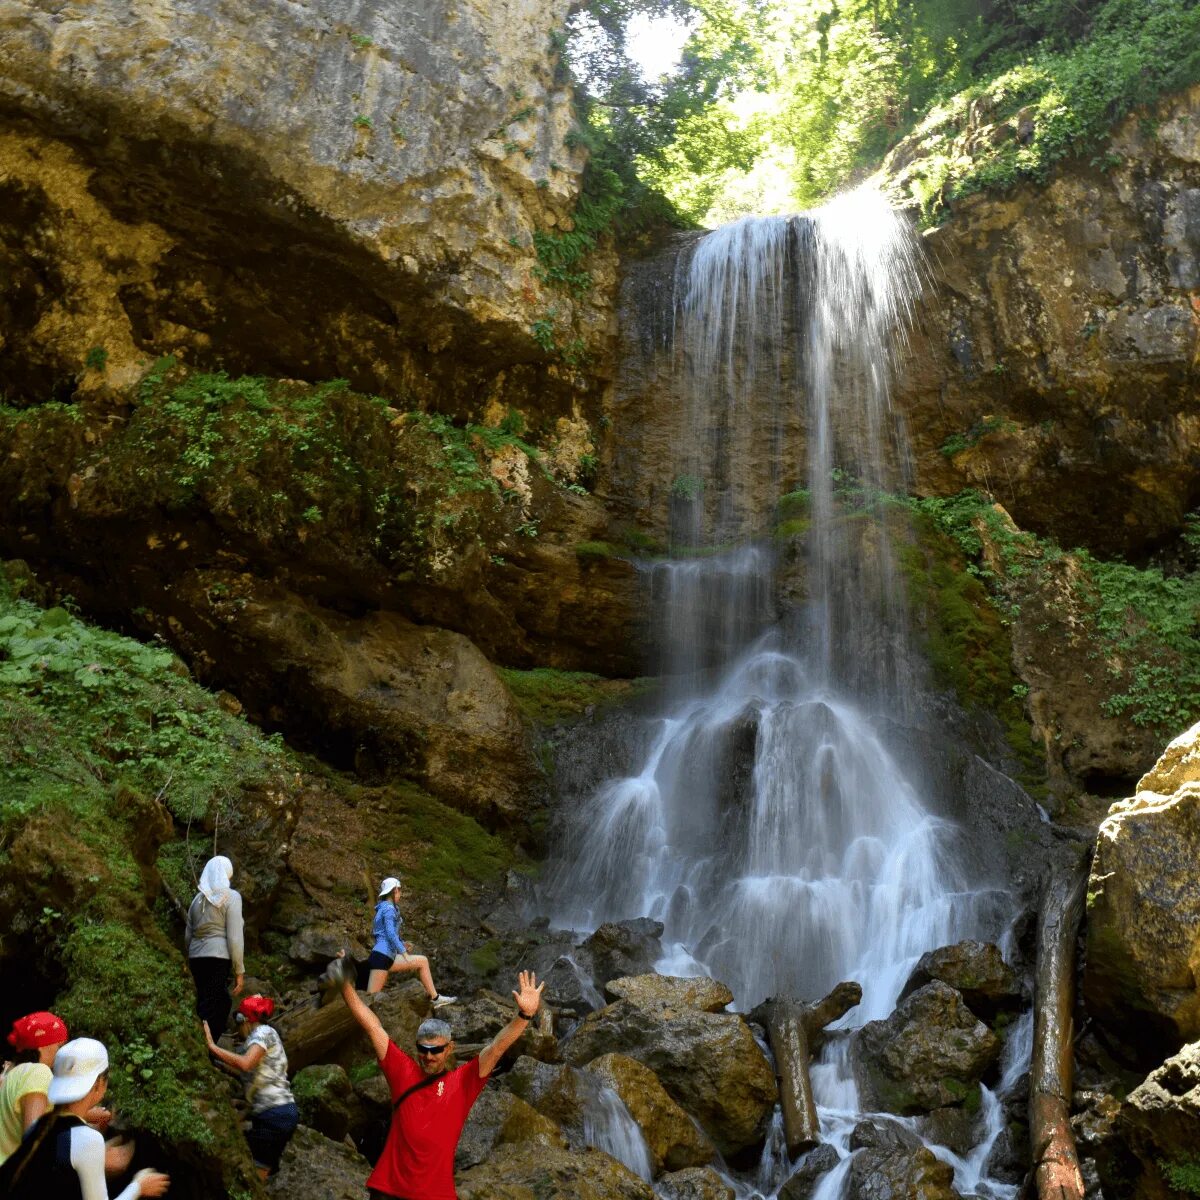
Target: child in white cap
{"x": 60, "y": 1155}
{"x": 389, "y": 953}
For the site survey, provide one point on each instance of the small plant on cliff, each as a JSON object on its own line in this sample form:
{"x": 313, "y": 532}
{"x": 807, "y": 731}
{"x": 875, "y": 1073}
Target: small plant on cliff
{"x": 96, "y": 359}
{"x": 362, "y": 121}
{"x": 686, "y": 487}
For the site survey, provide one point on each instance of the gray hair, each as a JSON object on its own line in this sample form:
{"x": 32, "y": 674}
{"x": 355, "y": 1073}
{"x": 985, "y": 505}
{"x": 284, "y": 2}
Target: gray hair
{"x": 435, "y": 1028}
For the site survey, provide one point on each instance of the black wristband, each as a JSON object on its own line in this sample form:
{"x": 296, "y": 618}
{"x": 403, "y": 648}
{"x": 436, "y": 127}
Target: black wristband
{"x": 523, "y": 1015}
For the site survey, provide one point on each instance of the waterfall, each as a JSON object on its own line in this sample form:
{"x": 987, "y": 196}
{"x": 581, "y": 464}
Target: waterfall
{"x": 770, "y": 827}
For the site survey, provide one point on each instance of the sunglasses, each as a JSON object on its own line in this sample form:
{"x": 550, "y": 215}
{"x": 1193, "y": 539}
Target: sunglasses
{"x": 431, "y": 1050}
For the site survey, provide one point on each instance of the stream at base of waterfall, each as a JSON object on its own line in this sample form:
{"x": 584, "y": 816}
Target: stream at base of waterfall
{"x": 770, "y": 827}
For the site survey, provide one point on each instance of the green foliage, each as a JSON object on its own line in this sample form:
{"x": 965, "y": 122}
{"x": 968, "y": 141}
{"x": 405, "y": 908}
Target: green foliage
{"x": 547, "y": 696}
{"x": 360, "y": 41}
{"x": 958, "y": 442}
{"x": 686, "y": 487}
{"x": 485, "y": 958}
{"x": 869, "y": 73}
{"x": 96, "y": 359}
{"x": 596, "y": 551}
{"x": 362, "y": 121}
{"x": 1183, "y": 1174}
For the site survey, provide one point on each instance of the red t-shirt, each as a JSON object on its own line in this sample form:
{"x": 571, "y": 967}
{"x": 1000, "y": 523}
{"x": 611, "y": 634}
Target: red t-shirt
{"x": 417, "y": 1162}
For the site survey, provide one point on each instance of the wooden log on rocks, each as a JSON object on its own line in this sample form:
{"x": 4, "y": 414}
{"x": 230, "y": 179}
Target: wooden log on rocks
{"x": 312, "y": 1035}
{"x": 792, "y": 1026}
{"x": 1055, "y": 1159}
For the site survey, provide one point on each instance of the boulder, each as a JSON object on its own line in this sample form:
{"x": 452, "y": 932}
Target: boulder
{"x": 326, "y": 1100}
{"x": 537, "y": 1172}
{"x": 315, "y": 944}
{"x": 976, "y": 970}
{"x": 1153, "y": 1148}
{"x": 672, "y": 1137}
{"x": 953, "y": 1128}
{"x": 315, "y": 1168}
{"x": 1143, "y": 926}
{"x": 891, "y": 1163}
{"x": 930, "y": 1053}
{"x": 566, "y": 969}
{"x": 709, "y": 1063}
{"x": 693, "y": 1183}
{"x": 499, "y": 1118}
{"x": 623, "y": 948}
{"x": 477, "y": 1020}
{"x": 669, "y": 995}
{"x": 809, "y": 1171}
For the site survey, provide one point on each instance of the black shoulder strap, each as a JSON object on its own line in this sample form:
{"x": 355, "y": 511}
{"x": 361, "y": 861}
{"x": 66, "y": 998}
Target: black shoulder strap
{"x": 416, "y": 1087}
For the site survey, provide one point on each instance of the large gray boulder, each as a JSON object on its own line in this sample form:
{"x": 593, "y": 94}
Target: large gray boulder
{"x": 930, "y": 1053}
{"x": 976, "y": 970}
{"x": 534, "y": 1172}
{"x": 315, "y": 1168}
{"x": 709, "y": 1063}
{"x": 1151, "y": 1148}
{"x": 499, "y": 1118}
{"x": 891, "y": 1164}
{"x": 1143, "y": 926}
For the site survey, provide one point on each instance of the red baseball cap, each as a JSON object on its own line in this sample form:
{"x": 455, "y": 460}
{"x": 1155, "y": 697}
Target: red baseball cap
{"x": 38, "y": 1029}
{"x": 257, "y": 1008}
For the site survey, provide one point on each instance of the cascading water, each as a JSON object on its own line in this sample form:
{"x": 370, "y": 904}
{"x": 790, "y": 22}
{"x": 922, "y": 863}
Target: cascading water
{"x": 770, "y": 828}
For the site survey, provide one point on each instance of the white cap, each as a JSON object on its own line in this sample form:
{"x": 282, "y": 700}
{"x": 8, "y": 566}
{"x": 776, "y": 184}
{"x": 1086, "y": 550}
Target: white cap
{"x": 77, "y": 1066}
{"x": 385, "y": 888}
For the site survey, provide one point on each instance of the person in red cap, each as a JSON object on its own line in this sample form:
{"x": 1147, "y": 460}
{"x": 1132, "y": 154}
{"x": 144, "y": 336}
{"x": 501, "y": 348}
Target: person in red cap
{"x": 36, "y": 1039}
{"x": 264, "y": 1068}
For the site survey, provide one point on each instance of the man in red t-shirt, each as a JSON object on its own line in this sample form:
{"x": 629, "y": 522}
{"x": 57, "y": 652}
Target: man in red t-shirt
{"x": 430, "y": 1103}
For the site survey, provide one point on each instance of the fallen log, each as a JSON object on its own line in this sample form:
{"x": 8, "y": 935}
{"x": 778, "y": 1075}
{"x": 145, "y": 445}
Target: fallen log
{"x": 793, "y": 1028}
{"x": 312, "y": 1035}
{"x": 1055, "y": 1159}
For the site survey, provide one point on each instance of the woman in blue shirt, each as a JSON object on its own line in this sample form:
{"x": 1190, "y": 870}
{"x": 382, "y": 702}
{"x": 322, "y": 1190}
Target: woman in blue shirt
{"x": 389, "y": 953}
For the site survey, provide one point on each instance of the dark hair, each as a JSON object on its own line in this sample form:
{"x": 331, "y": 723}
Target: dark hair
{"x": 26, "y": 1056}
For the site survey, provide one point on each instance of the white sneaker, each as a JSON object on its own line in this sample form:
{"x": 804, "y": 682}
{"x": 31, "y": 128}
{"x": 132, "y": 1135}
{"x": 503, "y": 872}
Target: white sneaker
{"x": 440, "y": 1001}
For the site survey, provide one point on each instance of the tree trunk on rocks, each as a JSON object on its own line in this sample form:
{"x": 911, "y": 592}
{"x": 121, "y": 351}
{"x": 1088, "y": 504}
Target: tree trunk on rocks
{"x": 1055, "y": 1160}
{"x": 792, "y": 1027}
{"x": 311, "y": 1035}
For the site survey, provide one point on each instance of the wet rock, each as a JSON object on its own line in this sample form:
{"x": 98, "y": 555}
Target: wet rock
{"x": 536, "y": 1172}
{"x": 930, "y": 1053}
{"x": 477, "y": 1020}
{"x": 693, "y": 1183}
{"x": 892, "y": 1163}
{"x": 953, "y": 1128}
{"x": 319, "y": 942}
{"x": 621, "y": 948}
{"x": 671, "y": 1136}
{"x": 531, "y": 1079}
{"x": 810, "y": 1170}
{"x": 566, "y": 969}
{"x": 669, "y": 995}
{"x": 709, "y": 1063}
{"x": 976, "y": 970}
{"x": 499, "y": 1118}
{"x": 1151, "y": 1150}
{"x": 326, "y": 1100}
{"x": 315, "y": 1168}
{"x": 1143, "y": 927}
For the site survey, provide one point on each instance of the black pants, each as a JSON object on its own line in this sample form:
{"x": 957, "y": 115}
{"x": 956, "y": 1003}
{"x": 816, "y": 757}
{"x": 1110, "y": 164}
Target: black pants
{"x": 213, "y": 1000}
{"x": 270, "y": 1132}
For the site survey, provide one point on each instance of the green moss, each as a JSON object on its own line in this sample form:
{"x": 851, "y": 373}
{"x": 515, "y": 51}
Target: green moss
{"x": 486, "y": 958}
{"x": 547, "y": 696}
{"x": 796, "y": 527}
{"x": 596, "y": 551}
{"x": 1183, "y": 1174}
{"x": 450, "y": 851}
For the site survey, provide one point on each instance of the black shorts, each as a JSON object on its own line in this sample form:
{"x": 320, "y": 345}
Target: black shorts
{"x": 270, "y": 1132}
{"x": 379, "y": 962}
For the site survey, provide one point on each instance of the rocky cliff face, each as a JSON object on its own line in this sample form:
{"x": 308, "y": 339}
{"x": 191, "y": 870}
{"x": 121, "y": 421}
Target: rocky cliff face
{"x": 317, "y": 191}
{"x": 1054, "y": 361}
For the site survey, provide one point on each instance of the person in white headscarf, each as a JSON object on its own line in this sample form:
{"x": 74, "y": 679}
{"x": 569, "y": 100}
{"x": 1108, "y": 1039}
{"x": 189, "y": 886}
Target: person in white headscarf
{"x": 215, "y": 943}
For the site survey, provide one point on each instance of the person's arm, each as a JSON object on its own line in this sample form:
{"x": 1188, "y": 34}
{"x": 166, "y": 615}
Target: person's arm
{"x": 239, "y": 1062}
{"x": 528, "y": 998}
{"x": 87, "y": 1157}
{"x": 369, "y": 1022}
{"x": 235, "y": 935}
{"x": 33, "y": 1104}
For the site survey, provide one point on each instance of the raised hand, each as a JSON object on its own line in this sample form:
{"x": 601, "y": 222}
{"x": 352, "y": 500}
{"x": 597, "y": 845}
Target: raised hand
{"x": 529, "y": 994}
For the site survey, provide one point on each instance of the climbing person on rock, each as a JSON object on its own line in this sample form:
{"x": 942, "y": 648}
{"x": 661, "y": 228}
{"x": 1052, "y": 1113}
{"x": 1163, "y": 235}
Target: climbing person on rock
{"x": 37, "y": 1038}
{"x": 430, "y": 1102}
{"x": 214, "y": 937}
{"x": 60, "y": 1155}
{"x": 263, "y": 1065}
{"x": 389, "y": 953}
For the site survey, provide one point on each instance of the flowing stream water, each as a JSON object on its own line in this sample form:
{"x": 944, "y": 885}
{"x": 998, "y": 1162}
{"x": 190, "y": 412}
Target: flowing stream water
{"x": 770, "y": 826}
